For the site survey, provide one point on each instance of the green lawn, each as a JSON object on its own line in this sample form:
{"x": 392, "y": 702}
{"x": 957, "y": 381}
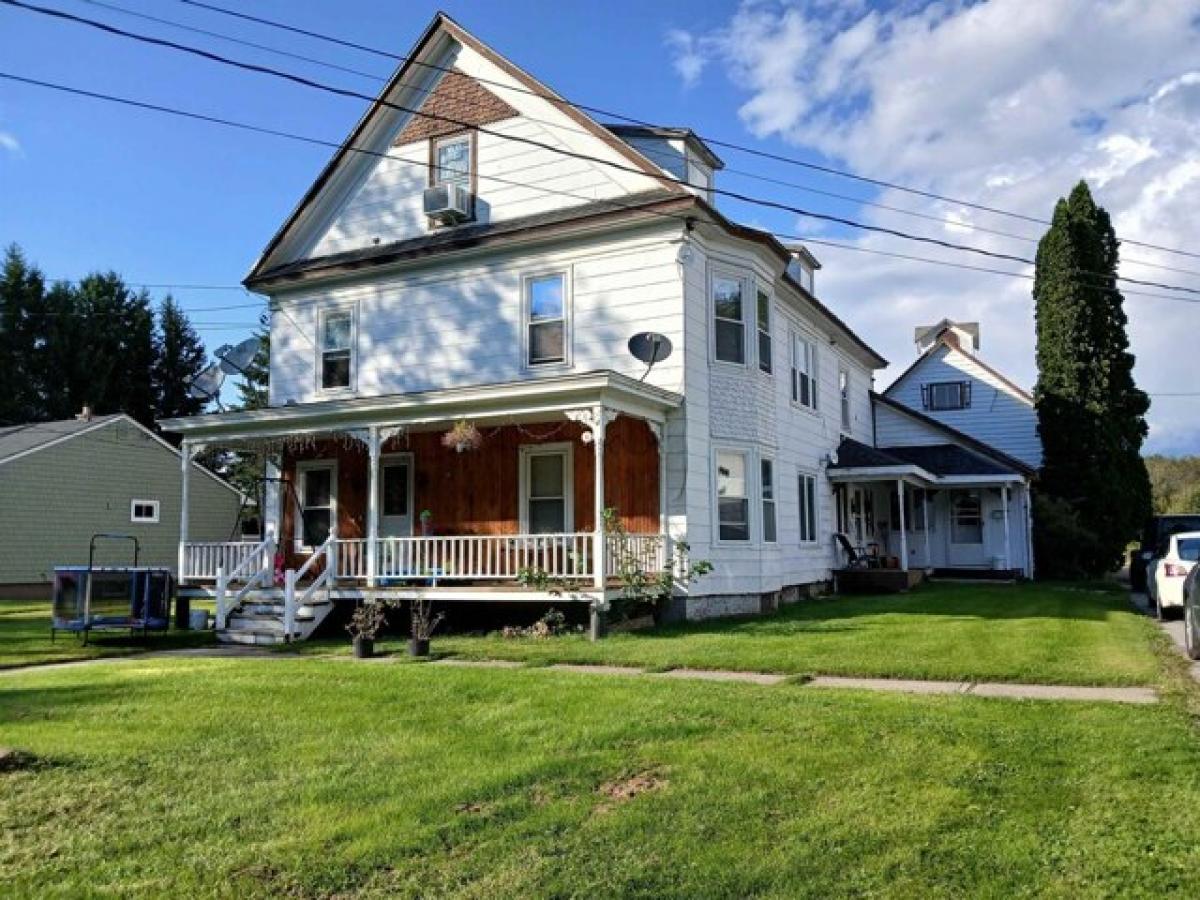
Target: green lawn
{"x": 311, "y": 777}
{"x": 1032, "y": 633}
{"x": 25, "y": 638}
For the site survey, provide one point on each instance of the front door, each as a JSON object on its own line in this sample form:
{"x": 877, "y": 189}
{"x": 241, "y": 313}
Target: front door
{"x": 396, "y": 495}
{"x": 966, "y": 529}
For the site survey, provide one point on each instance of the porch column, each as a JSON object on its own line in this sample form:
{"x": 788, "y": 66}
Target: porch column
{"x": 374, "y": 445}
{"x": 658, "y": 429}
{"x": 185, "y": 462}
{"x": 599, "y": 427}
{"x": 1007, "y": 537}
{"x": 928, "y": 549}
{"x": 903, "y": 526}
{"x": 272, "y": 513}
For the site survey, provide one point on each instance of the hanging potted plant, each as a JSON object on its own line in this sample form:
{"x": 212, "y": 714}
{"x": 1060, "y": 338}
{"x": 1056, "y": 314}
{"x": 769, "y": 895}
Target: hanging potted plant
{"x": 364, "y": 626}
{"x": 462, "y": 436}
{"x": 423, "y": 624}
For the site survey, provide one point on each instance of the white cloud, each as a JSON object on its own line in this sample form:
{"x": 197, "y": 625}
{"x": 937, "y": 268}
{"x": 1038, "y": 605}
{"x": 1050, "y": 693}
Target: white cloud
{"x": 687, "y": 55}
{"x": 10, "y": 143}
{"x": 1005, "y": 103}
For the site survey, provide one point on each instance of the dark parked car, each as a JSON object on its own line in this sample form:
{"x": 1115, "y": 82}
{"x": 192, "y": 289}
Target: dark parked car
{"x": 1191, "y": 613}
{"x": 1154, "y": 537}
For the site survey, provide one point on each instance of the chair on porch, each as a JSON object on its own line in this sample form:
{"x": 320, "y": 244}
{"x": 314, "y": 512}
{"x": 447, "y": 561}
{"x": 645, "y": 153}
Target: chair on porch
{"x": 856, "y": 557}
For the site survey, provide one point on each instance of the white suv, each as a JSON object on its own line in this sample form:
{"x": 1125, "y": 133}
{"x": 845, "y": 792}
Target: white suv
{"x": 1168, "y": 570}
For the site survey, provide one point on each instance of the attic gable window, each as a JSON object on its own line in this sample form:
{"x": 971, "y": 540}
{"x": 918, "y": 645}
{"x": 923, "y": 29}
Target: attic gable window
{"x": 946, "y": 395}
{"x": 337, "y": 349}
{"x": 452, "y": 161}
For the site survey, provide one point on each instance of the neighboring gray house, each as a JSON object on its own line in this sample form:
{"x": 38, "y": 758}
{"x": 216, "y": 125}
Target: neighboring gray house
{"x": 61, "y": 482}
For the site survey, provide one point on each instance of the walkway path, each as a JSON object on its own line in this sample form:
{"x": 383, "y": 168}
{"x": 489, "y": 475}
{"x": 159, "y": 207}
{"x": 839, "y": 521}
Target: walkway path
{"x": 893, "y": 685}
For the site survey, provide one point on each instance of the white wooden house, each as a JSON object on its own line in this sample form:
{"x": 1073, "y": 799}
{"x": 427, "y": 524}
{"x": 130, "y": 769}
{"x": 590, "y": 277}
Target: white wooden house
{"x": 964, "y": 441}
{"x": 480, "y": 252}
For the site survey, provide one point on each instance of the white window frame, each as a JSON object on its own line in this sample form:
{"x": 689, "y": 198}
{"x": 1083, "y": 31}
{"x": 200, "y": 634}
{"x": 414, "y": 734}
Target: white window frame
{"x": 303, "y": 467}
{"x": 322, "y": 314}
{"x": 526, "y": 452}
{"x": 435, "y": 172}
{"x": 152, "y": 519}
{"x": 567, "y": 275}
{"x": 749, "y": 457}
{"x": 805, "y": 481}
{"x": 763, "y": 499}
{"x": 844, "y": 407}
{"x": 802, "y": 341}
{"x": 769, "y": 333}
{"x": 747, "y": 285}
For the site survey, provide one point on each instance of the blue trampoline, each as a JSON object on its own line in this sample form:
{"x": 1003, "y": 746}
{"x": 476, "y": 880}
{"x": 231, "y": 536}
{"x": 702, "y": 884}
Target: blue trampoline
{"x": 111, "y": 598}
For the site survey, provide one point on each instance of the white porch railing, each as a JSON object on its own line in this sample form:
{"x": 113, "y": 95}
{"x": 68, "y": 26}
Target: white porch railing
{"x": 257, "y": 567}
{"x": 494, "y": 557}
{"x": 327, "y": 554}
{"x": 202, "y": 559}
{"x": 648, "y": 552}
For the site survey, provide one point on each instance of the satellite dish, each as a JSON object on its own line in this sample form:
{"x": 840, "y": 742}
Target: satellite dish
{"x": 207, "y": 385}
{"x": 650, "y": 347}
{"x": 236, "y": 359}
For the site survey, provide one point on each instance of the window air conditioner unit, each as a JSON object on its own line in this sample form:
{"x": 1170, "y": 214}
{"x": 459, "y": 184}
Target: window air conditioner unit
{"x": 448, "y": 203}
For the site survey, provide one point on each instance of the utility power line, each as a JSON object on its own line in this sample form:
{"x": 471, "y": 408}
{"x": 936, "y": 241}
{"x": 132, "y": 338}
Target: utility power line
{"x": 615, "y": 203}
{"x": 666, "y": 178}
{"x": 742, "y": 148}
{"x": 726, "y": 171}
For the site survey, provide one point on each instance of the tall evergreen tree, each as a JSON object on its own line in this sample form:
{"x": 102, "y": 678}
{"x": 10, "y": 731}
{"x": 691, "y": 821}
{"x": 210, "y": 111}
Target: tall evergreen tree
{"x": 1093, "y": 489}
{"x": 245, "y": 467}
{"x": 22, "y": 294}
{"x": 179, "y": 358}
{"x": 119, "y": 346}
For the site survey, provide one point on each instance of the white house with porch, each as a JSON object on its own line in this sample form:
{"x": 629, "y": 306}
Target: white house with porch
{"x": 453, "y": 396}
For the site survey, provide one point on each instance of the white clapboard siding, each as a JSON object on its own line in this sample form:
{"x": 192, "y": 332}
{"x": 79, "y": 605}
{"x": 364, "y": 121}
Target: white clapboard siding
{"x": 745, "y": 409}
{"x": 455, "y": 324}
{"x": 998, "y": 415}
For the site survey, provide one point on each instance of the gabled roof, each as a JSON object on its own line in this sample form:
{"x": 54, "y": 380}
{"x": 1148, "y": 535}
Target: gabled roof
{"x": 19, "y": 441}
{"x": 1011, "y": 462}
{"x": 443, "y": 25}
{"x": 948, "y": 339}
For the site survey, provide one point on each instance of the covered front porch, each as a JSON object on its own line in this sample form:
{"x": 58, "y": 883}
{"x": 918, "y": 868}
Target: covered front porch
{"x": 937, "y": 510}
{"x": 491, "y": 493}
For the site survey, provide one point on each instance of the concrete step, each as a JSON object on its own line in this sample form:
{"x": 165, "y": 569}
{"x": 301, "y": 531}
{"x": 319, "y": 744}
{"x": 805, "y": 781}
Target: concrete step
{"x": 248, "y": 636}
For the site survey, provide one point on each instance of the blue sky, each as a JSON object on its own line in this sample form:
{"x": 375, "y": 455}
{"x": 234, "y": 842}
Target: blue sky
{"x": 1002, "y": 103}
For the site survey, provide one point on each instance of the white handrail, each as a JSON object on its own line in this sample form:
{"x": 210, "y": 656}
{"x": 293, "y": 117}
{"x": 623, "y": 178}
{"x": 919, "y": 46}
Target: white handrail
{"x": 201, "y": 559}
{"x": 328, "y": 552}
{"x": 264, "y": 553}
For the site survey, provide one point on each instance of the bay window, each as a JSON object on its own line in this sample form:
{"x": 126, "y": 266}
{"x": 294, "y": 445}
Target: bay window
{"x": 729, "y": 324}
{"x": 733, "y": 503}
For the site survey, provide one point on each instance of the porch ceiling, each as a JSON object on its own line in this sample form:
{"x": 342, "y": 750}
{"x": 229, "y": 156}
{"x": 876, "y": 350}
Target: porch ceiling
{"x": 484, "y": 404}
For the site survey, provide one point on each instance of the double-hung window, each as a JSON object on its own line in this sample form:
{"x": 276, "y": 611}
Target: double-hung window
{"x": 546, "y": 485}
{"x": 733, "y": 503}
{"x": 337, "y": 348}
{"x": 766, "y": 486}
{"x": 729, "y": 323}
{"x": 804, "y": 371}
{"x": 844, "y": 396}
{"x": 764, "y": 331}
{"x": 546, "y": 320}
{"x": 808, "y": 509}
{"x": 317, "y": 498}
{"x": 452, "y": 161}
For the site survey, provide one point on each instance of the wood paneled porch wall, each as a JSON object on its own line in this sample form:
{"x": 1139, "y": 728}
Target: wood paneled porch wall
{"x": 477, "y": 492}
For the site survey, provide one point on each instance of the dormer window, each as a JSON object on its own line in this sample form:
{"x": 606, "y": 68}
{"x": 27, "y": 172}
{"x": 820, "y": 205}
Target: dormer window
{"x": 946, "y": 395}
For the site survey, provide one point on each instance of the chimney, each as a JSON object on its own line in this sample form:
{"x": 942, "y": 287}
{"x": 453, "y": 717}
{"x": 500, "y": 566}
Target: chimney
{"x": 960, "y": 335}
{"x": 85, "y": 414}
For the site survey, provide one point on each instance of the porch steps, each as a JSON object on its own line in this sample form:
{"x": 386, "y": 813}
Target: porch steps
{"x": 259, "y": 620}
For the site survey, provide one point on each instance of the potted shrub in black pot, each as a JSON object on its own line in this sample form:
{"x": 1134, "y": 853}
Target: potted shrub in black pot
{"x": 365, "y": 624}
{"x": 423, "y": 623}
